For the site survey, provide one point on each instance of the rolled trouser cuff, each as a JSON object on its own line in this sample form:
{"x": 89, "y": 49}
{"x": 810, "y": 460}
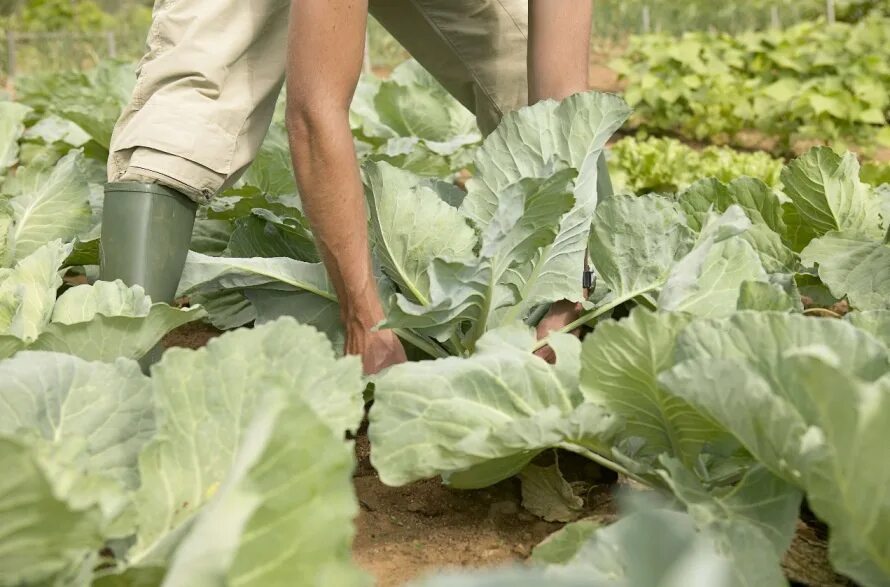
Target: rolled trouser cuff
{"x": 195, "y": 181}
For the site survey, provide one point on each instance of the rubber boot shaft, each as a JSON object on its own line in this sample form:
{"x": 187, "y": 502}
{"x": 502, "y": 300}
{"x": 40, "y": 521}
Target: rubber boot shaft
{"x": 146, "y": 232}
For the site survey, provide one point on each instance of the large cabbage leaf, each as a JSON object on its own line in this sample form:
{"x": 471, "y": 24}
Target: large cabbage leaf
{"x": 482, "y": 419}
{"x": 854, "y": 266}
{"x": 217, "y": 439}
{"x": 12, "y": 118}
{"x": 42, "y": 205}
{"x": 778, "y": 383}
{"x": 283, "y": 510}
{"x": 96, "y": 322}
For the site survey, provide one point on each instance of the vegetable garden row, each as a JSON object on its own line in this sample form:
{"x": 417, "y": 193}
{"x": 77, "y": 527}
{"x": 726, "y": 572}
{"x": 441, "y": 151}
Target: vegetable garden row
{"x": 811, "y": 81}
{"x": 705, "y": 377}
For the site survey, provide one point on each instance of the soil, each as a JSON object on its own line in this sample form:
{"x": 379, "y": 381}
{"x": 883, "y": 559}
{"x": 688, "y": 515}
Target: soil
{"x": 403, "y": 533}
{"x": 406, "y": 532}
{"x": 193, "y": 335}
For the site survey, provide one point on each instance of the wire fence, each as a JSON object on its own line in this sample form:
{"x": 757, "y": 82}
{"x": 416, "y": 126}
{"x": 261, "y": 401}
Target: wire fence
{"x": 615, "y": 20}
{"x": 23, "y": 53}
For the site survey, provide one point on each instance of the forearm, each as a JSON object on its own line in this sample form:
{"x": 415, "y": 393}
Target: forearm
{"x": 559, "y": 48}
{"x": 331, "y": 192}
{"x": 324, "y": 63}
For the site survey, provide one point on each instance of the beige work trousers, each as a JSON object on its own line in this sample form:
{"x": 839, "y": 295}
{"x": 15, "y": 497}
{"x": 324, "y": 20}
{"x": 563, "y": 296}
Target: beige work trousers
{"x": 207, "y": 87}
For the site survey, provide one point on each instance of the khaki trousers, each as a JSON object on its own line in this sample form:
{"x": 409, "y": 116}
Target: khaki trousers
{"x": 207, "y": 87}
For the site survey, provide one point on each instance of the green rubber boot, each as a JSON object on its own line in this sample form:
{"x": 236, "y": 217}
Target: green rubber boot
{"x": 146, "y": 231}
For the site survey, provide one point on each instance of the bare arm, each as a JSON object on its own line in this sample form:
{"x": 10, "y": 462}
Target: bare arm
{"x": 559, "y": 48}
{"x": 326, "y": 45}
{"x": 558, "y": 62}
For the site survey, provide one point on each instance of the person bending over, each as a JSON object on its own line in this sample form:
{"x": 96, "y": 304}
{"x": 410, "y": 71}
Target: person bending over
{"x": 206, "y": 91}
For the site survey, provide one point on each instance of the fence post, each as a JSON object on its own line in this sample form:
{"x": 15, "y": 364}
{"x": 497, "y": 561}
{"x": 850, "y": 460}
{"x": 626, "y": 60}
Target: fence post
{"x": 10, "y": 54}
{"x": 647, "y": 22}
{"x": 112, "y": 44}
{"x": 774, "y": 17}
{"x": 829, "y": 11}
{"x": 366, "y": 63}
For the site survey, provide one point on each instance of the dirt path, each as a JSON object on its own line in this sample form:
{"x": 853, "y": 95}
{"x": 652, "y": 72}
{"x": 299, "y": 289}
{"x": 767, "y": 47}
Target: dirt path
{"x": 405, "y": 532}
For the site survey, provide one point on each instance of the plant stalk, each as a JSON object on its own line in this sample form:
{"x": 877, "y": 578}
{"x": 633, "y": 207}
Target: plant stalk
{"x": 603, "y": 461}
{"x": 426, "y": 346}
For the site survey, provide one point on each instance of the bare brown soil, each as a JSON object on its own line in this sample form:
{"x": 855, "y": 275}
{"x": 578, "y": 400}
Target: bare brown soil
{"x": 406, "y": 532}
{"x": 403, "y": 533}
{"x": 191, "y": 336}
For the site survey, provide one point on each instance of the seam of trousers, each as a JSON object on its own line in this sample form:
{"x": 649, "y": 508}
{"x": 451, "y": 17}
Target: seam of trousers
{"x": 460, "y": 56}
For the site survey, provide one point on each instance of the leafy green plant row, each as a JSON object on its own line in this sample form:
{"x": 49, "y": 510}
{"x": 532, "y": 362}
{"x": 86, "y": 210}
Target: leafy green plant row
{"x": 229, "y": 464}
{"x": 453, "y": 266}
{"x": 408, "y": 120}
{"x": 811, "y": 81}
{"x": 665, "y": 165}
{"x": 232, "y": 464}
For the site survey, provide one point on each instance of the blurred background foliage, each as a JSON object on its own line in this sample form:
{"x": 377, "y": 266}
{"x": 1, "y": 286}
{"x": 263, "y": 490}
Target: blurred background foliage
{"x": 86, "y": 31}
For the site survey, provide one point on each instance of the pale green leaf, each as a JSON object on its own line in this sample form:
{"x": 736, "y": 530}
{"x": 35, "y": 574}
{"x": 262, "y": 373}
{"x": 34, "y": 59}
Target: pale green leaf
{"x": 108, "y": 320}
{"x": 283, "y": 513}
{"x": 52, "y": 129}
{"x": 760, "y": 505}
{"x": 758, "y": 200}
{"x": 205, "y": 274}
{"x": 532, "y": 142}
{"x": 43, "y": 534}
{"x": 272, "y": 171}
{"x": 764, "y": 296}
{"x": 825, "y": 189}
{"x": 411, "y": 225}
{"x": 547, "y": 494}
{"x": 413, "y": 104}
{"x": 529, "y": 140}
{"x": 561, "y": 546}
{"x": 620, "y": 363}
{"x": 28, "y": 292}
{"x": 815, "y": 438}
{"x": 706, "y": 281}
{"x": 853, "y": 266}
{"x": 12, "y": 117}
{"x": 635, "y": 241}
{"x": 204, "y": 401}
{"x": 876, "y": 323}
{"x": 526, "y": 220}
{"x": 502, "y": 404}
{"x": 764, "y": 337}
{"x": 653, "y": 548}
{"x": 511, "y": 577}
{"x": 48, "y": 205}
{"x": 65, "y": 399}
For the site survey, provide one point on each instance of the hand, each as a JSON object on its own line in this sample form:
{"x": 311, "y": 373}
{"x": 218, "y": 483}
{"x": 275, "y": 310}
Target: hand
{"x": 561, "y": 314}
{"x": 379, "y": 350}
